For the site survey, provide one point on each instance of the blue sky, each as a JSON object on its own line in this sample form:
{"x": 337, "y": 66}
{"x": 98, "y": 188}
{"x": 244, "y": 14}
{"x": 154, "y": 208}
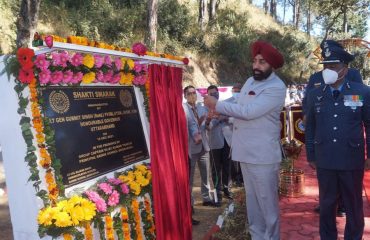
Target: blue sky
{"x": 288, "y": 17}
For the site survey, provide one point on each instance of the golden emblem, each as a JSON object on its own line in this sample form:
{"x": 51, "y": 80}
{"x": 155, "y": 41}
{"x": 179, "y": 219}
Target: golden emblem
{"x": 59, "y": 101}
{"x": 299, "y": 126}
{"x": 125, "y": 97}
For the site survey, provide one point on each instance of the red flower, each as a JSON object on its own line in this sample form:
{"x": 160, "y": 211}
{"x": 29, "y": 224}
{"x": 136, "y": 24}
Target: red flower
{"x": 26, "y": 75}
{"x": 139, "y": 49}
{"x": 25, "y": 56}
{"x": 185, "y": 61}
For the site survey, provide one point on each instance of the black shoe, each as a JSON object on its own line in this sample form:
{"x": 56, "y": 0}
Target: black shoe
{"x": 217, "y": 204}
{"x": 317, "y": 209}
{"x": 227, "y": 194}
{"x": 209, "y": 203}
{"x": 194, "y": 222}
{"x": 341, "y": 212}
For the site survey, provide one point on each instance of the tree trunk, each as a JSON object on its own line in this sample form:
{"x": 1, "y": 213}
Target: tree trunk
{"x": 213, "y": 12}
{"x": 152, "y": 25}
{"x": 266, "y": 6}
{"x": 202, "y": 14}
{"x": 298, "y": 13}
{"x": 344, "y": 26}
{"x": 284, "y": 10}
{"x": 309, "y": 19}
{"x": 27, "y": 22}
{"x": 273, "y": 8}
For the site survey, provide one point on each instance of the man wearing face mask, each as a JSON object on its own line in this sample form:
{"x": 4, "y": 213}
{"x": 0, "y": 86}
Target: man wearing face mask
{"x": 316, "y": 80}
{"x": 337, "y": 113}
{"x": 198, "y": 147}
{"x": 256, "y": 138}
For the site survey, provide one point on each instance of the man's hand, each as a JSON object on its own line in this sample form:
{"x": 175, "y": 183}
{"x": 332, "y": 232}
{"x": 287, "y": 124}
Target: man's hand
{"x": 312, "y": 165}
{"x": 210, "y": 101}
{"x": 197, "y": 138}
{"x": 367, "y": 164}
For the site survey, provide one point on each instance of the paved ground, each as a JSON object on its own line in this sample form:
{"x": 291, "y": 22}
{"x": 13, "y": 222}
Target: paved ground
{"x": 298, "y": 221}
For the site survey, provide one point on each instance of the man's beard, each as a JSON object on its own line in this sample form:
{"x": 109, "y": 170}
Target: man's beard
{"x": 260, "y": 75}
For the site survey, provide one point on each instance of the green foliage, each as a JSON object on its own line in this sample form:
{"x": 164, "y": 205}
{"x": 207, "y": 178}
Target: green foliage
{"x": 173, "y": 19}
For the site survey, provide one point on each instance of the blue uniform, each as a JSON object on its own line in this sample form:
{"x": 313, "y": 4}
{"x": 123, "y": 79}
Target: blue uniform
{"x": 316, "y": 80}
{"x": 335, "y": 142}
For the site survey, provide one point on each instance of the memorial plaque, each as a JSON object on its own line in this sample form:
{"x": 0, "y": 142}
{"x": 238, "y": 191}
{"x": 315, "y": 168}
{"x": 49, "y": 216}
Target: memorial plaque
{"x": 97, "y": 130}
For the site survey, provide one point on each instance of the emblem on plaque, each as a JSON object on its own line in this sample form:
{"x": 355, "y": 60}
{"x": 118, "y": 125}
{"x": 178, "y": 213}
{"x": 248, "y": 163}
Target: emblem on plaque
{"x": 299, "y": 126}
{"x": 59, "y": 101}
{"x": 125, "y": 97}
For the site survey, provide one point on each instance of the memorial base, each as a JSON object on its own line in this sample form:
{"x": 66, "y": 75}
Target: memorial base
{"x": 291, "y": 182}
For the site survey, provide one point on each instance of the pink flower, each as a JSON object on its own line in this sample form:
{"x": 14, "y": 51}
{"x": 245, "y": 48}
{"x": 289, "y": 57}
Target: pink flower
{"x": 77, "y": 77}
{"x": 108, "y": 61}
{"x": 64, "y": 57}
{"x": 108, "y": 76}
{"x": 107, "y": 189}
{"x": 138, "y": 67}
{"x": 56, "y": 77}
{"x": 115, "y": 78}
{"x": 139, "y": 80}
{"x": 125, "y": 188}
{"x": 114, "y": 181}
{"x": 77, "y": 59}
{"x": 118, "y": 63}
{"x": 41, "y": 62}
{"x": 67, "y": 76}
{"x": 113, "y": 198}
{"x": 45, "y": 76}
{"x": 55, "y": 59}
{"x": 100, "y": 76}
{"x": 101, "y": 206}
{"x": 139, "y": 49}
{"x": 99, "y": 61}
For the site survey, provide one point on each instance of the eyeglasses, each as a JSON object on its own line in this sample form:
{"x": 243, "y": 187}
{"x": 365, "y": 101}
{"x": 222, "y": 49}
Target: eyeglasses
{"x": 191, "y": 93}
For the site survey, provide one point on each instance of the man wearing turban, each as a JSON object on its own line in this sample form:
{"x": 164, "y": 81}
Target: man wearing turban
{"x": 256, "y": 138}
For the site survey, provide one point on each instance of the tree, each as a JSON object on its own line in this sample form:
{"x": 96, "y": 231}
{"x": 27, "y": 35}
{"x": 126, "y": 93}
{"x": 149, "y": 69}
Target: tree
{"x": 203, "y": 14}
{"x": 273, "y": 9}
{"x": 213, "y": 9}
{"x": 330, "y": 11}
{"x": 27, "y": 22}
{"x": 152, "y": 24}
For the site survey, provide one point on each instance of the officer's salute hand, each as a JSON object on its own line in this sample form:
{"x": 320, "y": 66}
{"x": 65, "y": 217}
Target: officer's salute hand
{"x": 367, "y": 164}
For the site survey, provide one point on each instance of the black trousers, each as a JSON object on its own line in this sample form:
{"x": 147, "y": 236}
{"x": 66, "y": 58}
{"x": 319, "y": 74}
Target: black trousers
{"x": 349, "y": 185}
{"x": 220, "y": 165}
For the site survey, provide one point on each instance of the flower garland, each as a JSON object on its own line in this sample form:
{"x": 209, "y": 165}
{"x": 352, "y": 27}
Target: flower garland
{"x": 88, "y": 231}
{"x": 109, "y": 227}
{"x": 149, "y": 226}
{"x": 135, "y": 209}
{"x": 137, "y": 48}
{"x": 63, "y": 216}
{"x": 125, "y": 224}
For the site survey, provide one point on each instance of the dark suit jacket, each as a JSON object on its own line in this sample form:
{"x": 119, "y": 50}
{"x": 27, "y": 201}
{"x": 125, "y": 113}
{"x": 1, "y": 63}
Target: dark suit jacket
{"x": 334, "y": 130}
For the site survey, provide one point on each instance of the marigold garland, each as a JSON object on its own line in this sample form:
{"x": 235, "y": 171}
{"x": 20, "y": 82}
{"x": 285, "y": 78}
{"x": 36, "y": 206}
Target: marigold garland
{"x": 135, "y": 209}
{"x": 125, "y": 224}
{"x": 109, "y": 227}
{"x": 45, "y": 159}
{"x": 67, "y": 236}
{"x": 148, "y": 210}
{"x": 88, "y": 232}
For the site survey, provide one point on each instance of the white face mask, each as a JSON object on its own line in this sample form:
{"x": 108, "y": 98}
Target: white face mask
{"x": 236, "y": 95}
{"x": 330, "y": 76}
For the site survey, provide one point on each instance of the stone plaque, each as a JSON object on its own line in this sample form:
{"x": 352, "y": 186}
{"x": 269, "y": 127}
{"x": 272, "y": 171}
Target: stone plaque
{"x": 97, "y": 130}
